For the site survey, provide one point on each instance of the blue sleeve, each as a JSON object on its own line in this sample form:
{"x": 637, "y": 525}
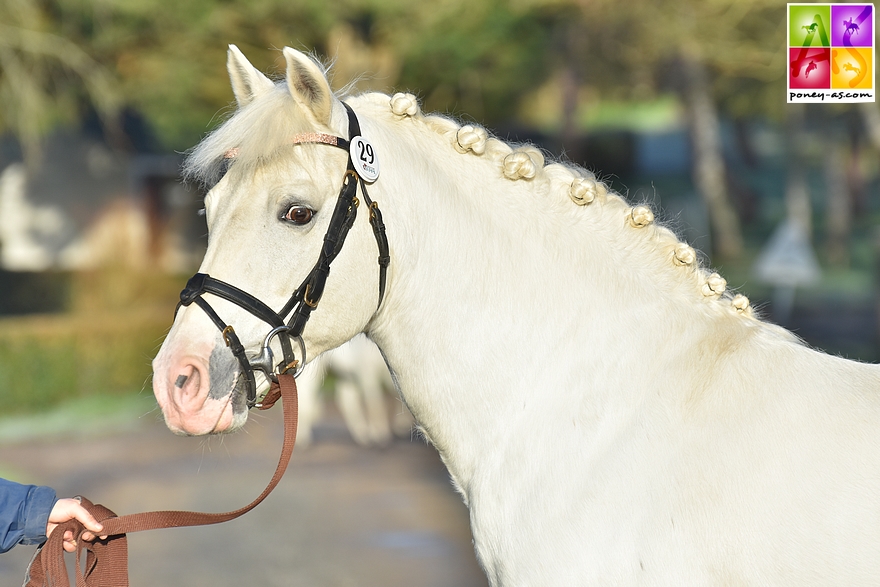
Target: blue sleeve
{"x": 24, "y": 513}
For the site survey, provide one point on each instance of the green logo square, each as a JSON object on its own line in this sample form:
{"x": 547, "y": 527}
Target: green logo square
{"x": 808, "y": 25}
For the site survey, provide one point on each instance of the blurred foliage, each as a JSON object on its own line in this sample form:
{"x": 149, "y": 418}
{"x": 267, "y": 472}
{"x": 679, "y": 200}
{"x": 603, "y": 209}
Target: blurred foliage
{"x": 45, "y": 76}
{"x": 166, "y": 58}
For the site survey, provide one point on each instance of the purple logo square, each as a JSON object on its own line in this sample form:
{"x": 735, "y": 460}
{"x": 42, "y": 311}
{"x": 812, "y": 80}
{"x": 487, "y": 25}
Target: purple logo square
{"x": 852, "y": 25}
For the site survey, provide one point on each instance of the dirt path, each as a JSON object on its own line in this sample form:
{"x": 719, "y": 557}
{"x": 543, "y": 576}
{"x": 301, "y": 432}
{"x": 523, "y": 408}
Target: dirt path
{"x": 342, "y": 515}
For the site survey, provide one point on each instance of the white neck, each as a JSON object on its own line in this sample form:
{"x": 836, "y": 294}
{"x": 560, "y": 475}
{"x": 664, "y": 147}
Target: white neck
{"x": 484, "y": 295}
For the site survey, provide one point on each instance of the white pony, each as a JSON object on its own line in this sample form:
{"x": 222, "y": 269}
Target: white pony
{"x": 610, "y": 414}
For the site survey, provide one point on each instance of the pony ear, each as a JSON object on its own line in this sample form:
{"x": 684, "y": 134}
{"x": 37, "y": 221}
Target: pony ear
{"x": 247, "y": 81}
{"x": 309, "y": 86}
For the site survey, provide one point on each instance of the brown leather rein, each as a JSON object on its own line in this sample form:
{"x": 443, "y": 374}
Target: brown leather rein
{"x": 106, "y": 562}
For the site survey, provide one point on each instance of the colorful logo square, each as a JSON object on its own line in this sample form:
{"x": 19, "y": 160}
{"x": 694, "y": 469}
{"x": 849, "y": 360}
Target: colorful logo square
{"x": 807, "y": 25}
{"x": 851, "y": 68}
{"x": 852, "y": 25}
{"x": 810, "y": 68}
{"x": 831, "y": 53}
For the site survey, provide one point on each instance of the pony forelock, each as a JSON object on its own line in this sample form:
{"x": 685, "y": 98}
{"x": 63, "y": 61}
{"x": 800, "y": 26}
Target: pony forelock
{"x": 254, "y": 133}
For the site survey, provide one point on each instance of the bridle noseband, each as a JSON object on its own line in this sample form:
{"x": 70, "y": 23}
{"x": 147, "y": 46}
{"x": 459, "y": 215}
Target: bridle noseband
{"x": 305, "y": 299}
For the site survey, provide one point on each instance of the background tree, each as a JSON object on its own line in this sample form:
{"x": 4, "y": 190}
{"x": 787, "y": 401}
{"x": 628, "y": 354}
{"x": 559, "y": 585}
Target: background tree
{"x": 707, "y": 52}
{"x": 60, "y": 59}
{"x": 45, "y": 78}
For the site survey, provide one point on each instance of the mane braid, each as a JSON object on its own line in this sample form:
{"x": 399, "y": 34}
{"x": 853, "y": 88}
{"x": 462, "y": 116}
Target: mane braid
{"x": 526, "y": 162}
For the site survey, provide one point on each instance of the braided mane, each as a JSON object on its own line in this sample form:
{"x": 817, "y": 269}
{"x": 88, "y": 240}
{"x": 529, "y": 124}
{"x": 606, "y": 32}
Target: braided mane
{"x": 527, "y": 163}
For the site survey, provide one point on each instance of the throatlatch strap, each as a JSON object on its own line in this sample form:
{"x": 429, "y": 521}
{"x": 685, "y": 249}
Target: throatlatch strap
{"x": 354, "y": 129}
{"x": 107, "y": 560}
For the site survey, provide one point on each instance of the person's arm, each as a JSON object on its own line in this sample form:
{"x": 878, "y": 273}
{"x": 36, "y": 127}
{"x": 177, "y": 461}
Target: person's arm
{"x": 24, "y": 513}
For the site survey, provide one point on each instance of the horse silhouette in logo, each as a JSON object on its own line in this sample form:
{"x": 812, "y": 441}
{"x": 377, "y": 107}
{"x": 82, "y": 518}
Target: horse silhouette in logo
{"x": 812, "y": 66}
{"x": 850, "y": 26}
{"x": 811, "y": 28}
{"x": 851, "y": 67}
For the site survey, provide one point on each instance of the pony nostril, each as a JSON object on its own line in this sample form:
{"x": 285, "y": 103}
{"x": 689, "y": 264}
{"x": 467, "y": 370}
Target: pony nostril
{"x": 187, "y": 384}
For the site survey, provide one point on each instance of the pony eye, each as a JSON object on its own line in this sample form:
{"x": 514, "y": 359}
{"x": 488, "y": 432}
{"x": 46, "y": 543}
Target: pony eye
{"x": 298, "y": 215}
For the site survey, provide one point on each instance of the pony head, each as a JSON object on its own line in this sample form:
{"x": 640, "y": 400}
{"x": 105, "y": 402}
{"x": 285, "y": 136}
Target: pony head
{"x": 274, "y": 186}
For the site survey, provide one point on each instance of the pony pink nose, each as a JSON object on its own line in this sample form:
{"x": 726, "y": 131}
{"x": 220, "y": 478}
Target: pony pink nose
{"x": 188, "y": 409}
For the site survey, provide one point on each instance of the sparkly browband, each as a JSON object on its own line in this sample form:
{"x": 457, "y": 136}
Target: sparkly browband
{"x": 306, "y": 137}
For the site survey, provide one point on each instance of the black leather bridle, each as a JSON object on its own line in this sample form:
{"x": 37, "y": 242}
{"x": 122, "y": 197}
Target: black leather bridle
{"x": 305, "y": 299}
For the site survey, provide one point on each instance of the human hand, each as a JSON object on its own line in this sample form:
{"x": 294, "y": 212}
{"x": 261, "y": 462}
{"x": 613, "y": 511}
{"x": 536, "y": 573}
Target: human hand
{"x": 69, "y": 509}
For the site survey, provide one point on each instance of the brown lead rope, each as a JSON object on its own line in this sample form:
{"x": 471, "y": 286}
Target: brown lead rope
{"x": 106, "y": 563}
